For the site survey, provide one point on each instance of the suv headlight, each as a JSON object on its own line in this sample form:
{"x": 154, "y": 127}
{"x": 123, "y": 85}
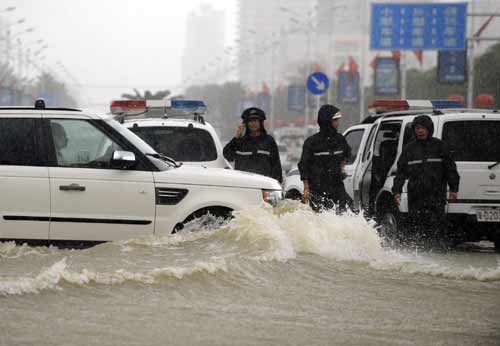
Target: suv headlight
{"x": 272, "y": 196}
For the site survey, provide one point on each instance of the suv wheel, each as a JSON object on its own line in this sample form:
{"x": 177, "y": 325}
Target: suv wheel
{"x": 390, "y": 224}
{"x": 496, "y": 241}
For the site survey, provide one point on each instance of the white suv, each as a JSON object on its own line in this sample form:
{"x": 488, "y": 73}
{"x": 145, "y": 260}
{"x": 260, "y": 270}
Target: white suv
{"x": 174, "y": 128}
{"x": 69, "y": 175}
{"x": 474, "y": 139}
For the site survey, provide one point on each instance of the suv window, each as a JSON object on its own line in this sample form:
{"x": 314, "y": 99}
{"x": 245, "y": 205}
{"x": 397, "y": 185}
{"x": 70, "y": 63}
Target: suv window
{"x": 78, "y": 143}
{"x": 18, "y": 142}
{"x": 473, "y": 140}
{"x": 180, "y": 143}
{"x": 409, "y": 134}
{"x": 353, "y": 138}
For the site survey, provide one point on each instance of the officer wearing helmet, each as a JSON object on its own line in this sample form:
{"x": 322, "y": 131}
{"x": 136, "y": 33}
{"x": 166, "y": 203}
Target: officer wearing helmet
{"x": 429, "y": 167}
{"x": 252, "y": 149}
{"x": 321, "y": 165}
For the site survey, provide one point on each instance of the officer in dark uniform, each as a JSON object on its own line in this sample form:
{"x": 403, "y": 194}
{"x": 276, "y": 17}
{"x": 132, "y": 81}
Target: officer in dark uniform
{"x": 428, "y": 165}
{"x": 321, "y": 165}
{"x": 252, "y": 149}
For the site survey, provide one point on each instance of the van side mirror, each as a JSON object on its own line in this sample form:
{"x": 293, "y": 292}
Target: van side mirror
{"x": 123, "y": 159}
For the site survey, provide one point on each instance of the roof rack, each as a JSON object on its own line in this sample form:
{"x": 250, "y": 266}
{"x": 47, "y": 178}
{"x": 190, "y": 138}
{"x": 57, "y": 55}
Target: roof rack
{"x": 40, "y": 105}
{"x": 14, "y": 108}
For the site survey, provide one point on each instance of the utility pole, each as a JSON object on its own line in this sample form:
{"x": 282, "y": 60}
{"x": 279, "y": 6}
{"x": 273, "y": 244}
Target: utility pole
{"x": 470, "y": 46}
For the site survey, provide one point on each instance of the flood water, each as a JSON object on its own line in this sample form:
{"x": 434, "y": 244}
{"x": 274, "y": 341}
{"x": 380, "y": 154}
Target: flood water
{"x": 282, "y": 277}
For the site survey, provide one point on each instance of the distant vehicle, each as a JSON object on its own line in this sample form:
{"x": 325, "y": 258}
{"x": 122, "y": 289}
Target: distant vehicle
{"x": 68, "y": 175}
{"x": 285, "y": 162}
{"x": 174, "y": 128}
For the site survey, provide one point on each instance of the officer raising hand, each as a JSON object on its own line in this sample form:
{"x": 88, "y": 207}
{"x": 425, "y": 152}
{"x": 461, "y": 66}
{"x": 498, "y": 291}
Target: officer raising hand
{"x": 252, "y": 149}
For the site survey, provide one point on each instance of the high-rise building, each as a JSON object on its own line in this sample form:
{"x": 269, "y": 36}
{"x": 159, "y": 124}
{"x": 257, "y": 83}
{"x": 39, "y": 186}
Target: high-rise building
{"x": 203, "y": 56}
{"x": 272, "y": 37}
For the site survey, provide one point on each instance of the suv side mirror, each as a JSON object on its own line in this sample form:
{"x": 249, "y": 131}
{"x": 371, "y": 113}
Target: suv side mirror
{"x": 123, "y": 159}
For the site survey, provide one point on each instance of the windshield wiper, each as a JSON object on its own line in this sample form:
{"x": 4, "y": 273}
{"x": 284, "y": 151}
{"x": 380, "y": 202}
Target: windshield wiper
{"x": 166, "y": 159}
{"x": 494, "y": 165}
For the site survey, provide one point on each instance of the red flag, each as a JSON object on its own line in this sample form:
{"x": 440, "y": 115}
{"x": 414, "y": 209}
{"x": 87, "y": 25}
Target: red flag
{"x": 420, "y": 56}
{"x": 340, "y": 69}
{"x": 353, "y": 68}
{"x": 396, "y": 54}
{"x": 482, "y": 28}
{"x": 265, "y": 88}
{"x": 316, "y": 68}
{"x": 353, "y": 65}
{"x": 374, "y": 61}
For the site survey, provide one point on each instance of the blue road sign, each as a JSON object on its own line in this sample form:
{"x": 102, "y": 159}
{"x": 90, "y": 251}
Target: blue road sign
{"x": 452, "y": 66}
{"x": 386, "y": 76}
{"x": 348, "y": 88}
{"x": 317, "y": 83}
{"x": 418, "y": 26}
{"x": 296, "y": 97}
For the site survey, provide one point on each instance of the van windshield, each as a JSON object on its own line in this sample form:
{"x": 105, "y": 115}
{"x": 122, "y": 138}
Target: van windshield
{"x": 473, "y": 140}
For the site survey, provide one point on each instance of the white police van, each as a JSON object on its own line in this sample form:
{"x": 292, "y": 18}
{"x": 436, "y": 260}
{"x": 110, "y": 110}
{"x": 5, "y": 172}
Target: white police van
{"x": 175, "y": 128}
{"x": 474, "y": 140}
{"x": 67, "y": 175}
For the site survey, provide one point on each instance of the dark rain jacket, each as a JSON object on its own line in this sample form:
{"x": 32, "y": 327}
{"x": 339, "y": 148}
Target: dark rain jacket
{"x": 429, "y": 167}
{"x": 321, "y": 160}
{"x": 255, "y": 154}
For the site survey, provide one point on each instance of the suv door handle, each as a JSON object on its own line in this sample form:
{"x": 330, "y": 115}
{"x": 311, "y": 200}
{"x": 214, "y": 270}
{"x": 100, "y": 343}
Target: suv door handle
{"x": 71, "y": 187}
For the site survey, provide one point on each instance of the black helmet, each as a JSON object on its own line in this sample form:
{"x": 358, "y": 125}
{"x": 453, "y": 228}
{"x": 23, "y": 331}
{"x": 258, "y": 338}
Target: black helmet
{"x": 253, "y": 112}
{"x": 326, "y": 113}
{"x": 425, "y": 121}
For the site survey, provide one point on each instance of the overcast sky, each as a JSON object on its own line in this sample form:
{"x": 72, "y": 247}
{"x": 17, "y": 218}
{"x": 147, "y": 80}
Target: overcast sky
{"x": 111, "y": 46}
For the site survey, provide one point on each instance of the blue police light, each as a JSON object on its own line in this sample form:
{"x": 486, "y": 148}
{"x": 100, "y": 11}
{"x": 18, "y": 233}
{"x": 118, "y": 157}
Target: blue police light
{"x": 443, "y": 104}
{"x": 187, "y": 104}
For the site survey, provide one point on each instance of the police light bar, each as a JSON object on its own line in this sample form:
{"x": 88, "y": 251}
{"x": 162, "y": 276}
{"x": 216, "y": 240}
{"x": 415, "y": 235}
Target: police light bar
{"x": 384, "y": 106}
{"x": 185, "y": 107}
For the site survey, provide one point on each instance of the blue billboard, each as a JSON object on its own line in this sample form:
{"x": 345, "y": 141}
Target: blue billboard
{"x": 387, "y": 76}
{"x": 452, "y": 66}
{"x": 414, "y": 26}
{"x": 348, "y": 88}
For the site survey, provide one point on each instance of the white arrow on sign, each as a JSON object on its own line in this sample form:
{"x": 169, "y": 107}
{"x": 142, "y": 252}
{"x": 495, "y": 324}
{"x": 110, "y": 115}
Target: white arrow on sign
{"x": 320, "y": 85}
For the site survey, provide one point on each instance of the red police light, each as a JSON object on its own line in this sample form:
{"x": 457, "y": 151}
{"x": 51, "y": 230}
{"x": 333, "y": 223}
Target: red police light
{"x": 126, "y": 106}
{"x": 383, "y": 106}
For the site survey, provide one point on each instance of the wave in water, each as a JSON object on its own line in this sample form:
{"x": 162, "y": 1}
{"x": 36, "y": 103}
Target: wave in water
{"x": 260, "y": 234}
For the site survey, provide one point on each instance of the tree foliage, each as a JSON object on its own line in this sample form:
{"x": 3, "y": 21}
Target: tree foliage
{"x": 148, "y": 95}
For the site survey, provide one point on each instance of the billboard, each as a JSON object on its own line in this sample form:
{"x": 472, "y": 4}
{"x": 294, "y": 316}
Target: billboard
{"x": 348, "y": 88}
{"x": 387, "y": 76}
{"x": 452, "y": 66}
{"x": 416, "y": 26}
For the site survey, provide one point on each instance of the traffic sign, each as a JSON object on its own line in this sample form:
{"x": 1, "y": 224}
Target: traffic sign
{"x": 296, "y": 97}
{"x": 386, "y": 76}
{"x": 452, "y": 66}
{"x": 426, "y": 26}
{"x": 348, "y": 88}
{"x": 317, "y": 83}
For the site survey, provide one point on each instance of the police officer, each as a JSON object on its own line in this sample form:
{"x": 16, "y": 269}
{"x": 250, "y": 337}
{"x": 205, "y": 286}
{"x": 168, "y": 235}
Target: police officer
{"x": 428, "y": 165}
{"x": 252, "y": 149}
{"x": 321, "y": 165}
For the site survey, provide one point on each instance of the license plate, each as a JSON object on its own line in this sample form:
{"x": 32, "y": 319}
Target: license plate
{"x": 488, "y": 215}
